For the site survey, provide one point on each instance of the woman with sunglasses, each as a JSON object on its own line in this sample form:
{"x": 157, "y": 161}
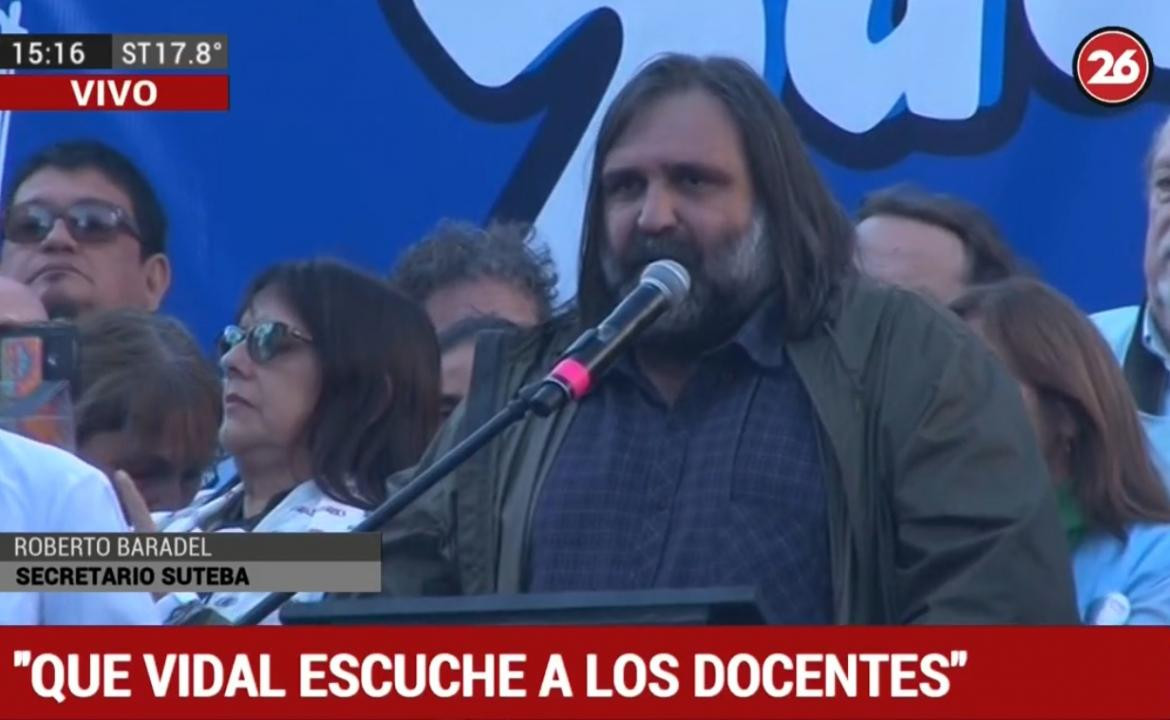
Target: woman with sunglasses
{"x": 331, "y": 385}
{"x": 1113, "y": 504}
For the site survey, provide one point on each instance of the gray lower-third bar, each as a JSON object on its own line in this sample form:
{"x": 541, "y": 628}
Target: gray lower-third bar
{"x": 161, "y": 577}
{"x": 204, "y": 548}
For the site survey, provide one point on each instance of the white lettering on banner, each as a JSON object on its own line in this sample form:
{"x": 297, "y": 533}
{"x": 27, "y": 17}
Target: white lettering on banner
{"x": 1058, "y": 26}
{"x": 856, "y": 83}
{"x": 944, "y": 61}
{"x": 526, "y": 28}
{"x": 10, "y": 20}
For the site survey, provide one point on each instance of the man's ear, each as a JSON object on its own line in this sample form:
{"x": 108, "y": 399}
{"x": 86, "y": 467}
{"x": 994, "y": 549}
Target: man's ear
{"x": 157, "y": 272}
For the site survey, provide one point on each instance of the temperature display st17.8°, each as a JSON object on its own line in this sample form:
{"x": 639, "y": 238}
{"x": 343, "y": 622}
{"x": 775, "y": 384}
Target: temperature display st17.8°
{"x": 170, "y": 52}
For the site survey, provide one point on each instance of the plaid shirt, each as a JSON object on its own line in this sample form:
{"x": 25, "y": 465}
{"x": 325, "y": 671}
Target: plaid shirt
{"x": 724, "y": 489}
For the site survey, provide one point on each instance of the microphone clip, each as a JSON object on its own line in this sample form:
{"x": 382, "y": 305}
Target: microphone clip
{"x": 544, "y": 397}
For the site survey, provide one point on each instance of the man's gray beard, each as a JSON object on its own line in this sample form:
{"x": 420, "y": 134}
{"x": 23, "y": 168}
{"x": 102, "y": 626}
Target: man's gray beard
{"x": 725, "y": 287}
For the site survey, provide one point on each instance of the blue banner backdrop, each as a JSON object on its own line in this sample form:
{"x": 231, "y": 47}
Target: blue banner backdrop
{"x": 354, "y": 126}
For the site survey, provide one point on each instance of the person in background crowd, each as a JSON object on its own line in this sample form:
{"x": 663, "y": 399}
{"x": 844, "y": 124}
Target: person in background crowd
{"x": 44, "y": 489}
{"x": 457, "y": 355}
{"x": 147, "y": 404}
{"x": 1115, "y": 510}
{"x": 1140, "y": 334}
{"x": 768, "y": 431}
{"x": 470, "y": 280}
{"x": 331, "y": 385}
{"x": 83, "y": 227}
{"x": 460, "y": 271}
{"x": 933, "y": 244}
{"x": 19, "y": 305}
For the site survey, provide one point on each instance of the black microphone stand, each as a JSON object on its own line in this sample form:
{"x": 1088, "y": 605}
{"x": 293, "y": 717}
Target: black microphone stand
{"x": 541, "y": 398}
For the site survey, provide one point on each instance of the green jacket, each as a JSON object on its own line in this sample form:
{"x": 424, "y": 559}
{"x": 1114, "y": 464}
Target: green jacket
{"x": 940, "y": 506}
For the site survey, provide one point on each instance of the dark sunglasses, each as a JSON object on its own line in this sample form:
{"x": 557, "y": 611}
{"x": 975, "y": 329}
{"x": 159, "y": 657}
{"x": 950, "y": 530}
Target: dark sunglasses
{"x": 265, "y": 341}
{"x": 90, "y": 222}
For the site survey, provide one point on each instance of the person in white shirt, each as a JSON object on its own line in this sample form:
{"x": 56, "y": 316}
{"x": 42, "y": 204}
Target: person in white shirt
{"x": 1139, "y": 335}
{"x": 45, "y": 489}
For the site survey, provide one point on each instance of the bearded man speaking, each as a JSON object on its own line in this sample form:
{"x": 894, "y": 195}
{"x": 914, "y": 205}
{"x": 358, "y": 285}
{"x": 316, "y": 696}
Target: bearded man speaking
{"x": 849, "y": 450}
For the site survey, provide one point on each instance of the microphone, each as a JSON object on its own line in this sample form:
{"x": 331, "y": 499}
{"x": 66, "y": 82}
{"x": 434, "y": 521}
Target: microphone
{"x": 664, "y": 284}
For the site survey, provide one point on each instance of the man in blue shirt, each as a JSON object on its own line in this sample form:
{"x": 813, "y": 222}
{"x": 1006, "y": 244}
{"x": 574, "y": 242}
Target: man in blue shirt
{"x": 1139, "y": 334}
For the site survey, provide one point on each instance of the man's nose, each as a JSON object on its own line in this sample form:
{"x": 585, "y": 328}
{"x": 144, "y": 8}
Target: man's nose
{"x": 658, "y": 212}
{"x": 59, "y": 238}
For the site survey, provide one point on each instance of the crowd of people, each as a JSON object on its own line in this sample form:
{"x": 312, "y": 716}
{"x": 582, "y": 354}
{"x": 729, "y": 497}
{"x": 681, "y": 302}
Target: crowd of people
{"x": 884, "y": 418}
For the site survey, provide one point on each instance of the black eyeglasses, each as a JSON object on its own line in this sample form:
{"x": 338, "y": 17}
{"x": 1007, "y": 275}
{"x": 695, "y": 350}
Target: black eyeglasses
{"x": 90, "y": 222}
{"x": 265, "y": 341}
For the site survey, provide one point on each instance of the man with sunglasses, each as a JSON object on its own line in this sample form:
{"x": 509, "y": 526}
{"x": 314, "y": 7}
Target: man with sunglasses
{"x": 84, "y": 229}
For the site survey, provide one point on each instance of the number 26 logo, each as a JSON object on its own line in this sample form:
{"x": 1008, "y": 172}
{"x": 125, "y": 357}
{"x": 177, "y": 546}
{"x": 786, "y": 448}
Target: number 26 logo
{"x": 1112, "y": 66}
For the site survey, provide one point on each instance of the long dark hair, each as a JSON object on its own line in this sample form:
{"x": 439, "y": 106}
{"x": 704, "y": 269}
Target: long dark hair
{"x": 379, "y": 403}
{"x": 1053, "y": 348}
{"x": 813, "y": 237}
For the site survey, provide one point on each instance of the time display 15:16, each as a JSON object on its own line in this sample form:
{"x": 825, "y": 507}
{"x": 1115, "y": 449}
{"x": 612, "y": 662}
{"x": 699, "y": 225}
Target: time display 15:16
{"x": 56, "y": 52}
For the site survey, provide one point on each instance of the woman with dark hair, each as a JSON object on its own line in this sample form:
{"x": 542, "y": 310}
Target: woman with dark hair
{"x": 147, "y": 403}
{"x": 1114, "y": 506}
{"x": 331, "y": 385}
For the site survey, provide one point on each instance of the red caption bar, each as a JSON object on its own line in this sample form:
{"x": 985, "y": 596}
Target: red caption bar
{"x": 113, "y": 92}
{"x": 567, "y": 673}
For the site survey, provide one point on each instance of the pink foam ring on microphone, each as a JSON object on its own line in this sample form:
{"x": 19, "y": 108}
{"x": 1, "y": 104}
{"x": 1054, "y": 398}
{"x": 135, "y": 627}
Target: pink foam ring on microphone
{"x": 574, "y": 375}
